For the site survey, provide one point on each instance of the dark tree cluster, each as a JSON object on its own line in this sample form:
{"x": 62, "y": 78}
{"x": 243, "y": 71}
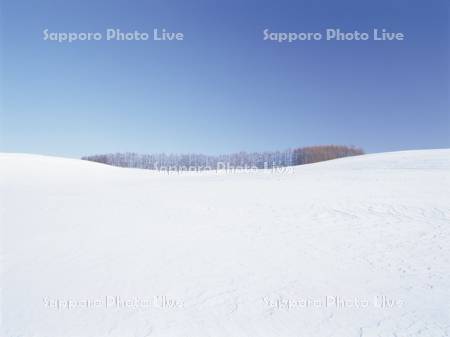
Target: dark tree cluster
{"x": 314, "y": 154}
{"x": 198, "y": 162}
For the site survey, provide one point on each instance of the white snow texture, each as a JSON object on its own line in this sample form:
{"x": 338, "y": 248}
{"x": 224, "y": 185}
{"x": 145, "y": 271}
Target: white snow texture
{"x": 357, "y": 246}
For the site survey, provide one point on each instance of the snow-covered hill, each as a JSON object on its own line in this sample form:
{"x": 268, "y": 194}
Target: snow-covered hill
{"x": 351, "y": 247}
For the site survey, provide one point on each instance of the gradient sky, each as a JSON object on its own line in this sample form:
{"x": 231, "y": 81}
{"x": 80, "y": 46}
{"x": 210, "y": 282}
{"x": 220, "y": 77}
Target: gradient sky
{"x": 223, "y": 89}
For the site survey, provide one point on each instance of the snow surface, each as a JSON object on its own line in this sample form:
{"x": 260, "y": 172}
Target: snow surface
{"x": 140, "y": 253}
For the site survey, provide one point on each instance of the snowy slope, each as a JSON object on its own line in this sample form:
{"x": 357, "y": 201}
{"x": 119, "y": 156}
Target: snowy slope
{"x": 351, "y": 247}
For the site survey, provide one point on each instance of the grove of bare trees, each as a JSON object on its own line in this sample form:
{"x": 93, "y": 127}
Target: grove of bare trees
{"x": 193, "y": 161}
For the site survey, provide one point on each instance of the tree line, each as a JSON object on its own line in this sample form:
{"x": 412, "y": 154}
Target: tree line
{"x": 196, "y": 162}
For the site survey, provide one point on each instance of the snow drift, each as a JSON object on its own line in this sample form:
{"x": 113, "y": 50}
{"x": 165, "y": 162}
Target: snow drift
{"x": 357, "y": 246}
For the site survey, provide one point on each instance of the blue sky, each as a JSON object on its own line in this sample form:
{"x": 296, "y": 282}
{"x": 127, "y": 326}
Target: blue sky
{"x": 223, "y": 89}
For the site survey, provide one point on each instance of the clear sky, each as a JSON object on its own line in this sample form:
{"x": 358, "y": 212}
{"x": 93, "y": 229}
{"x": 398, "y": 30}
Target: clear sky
{"x": 223, "y": 89}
